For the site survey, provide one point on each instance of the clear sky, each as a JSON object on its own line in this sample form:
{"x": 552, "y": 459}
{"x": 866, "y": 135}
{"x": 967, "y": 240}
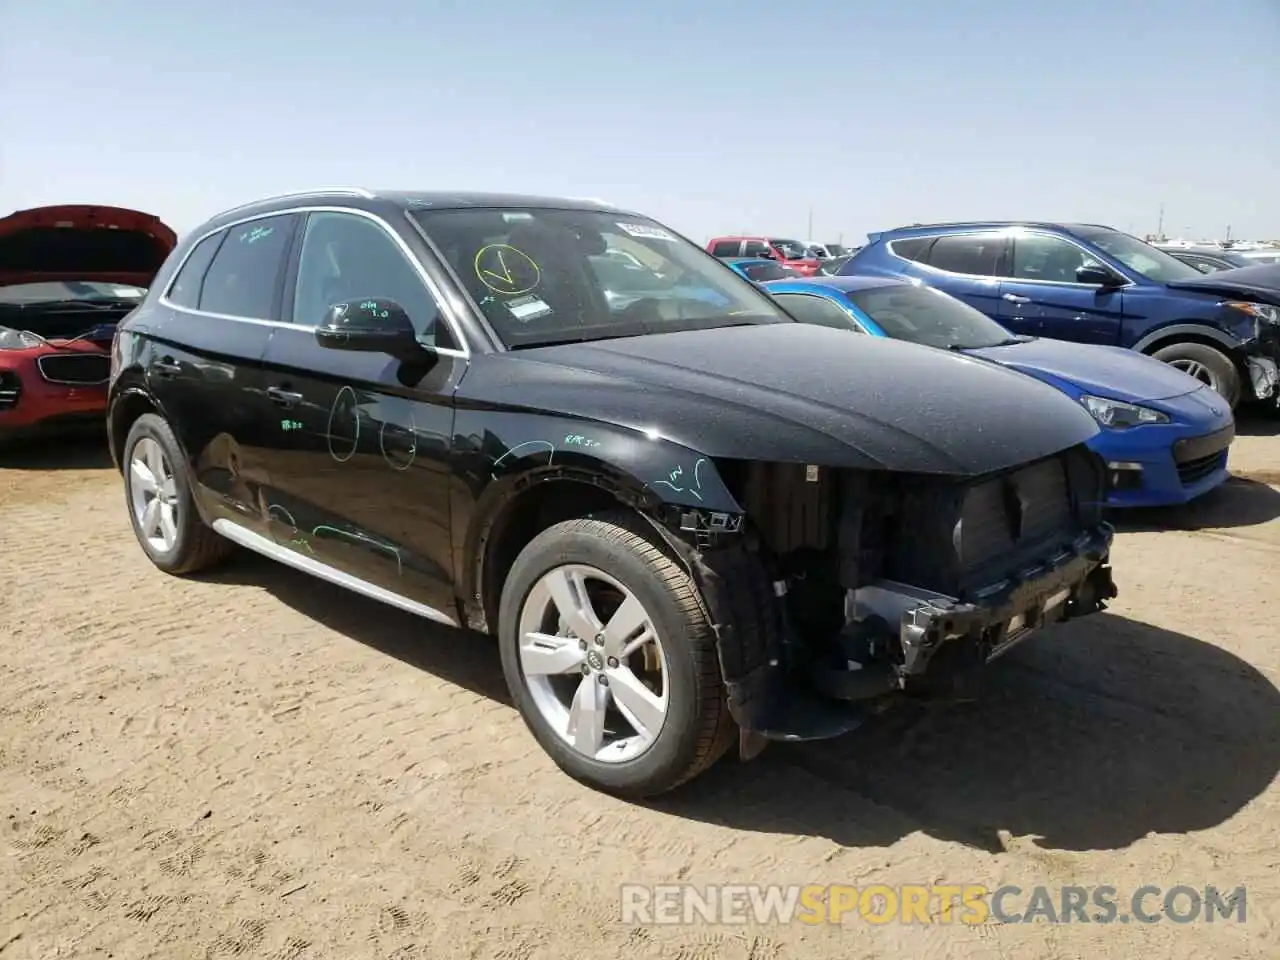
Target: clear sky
{"x": 714, "y": 117}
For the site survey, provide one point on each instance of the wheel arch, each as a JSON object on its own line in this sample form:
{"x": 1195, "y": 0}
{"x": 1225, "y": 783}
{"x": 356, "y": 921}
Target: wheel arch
{"x": 130, "y": 402}
{"x": 519, "y": 507}
{"x": 1187, "y": 333}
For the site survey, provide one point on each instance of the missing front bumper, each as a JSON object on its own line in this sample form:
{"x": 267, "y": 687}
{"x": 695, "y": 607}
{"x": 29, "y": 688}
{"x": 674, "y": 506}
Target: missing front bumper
{"x": 921, "y": 642}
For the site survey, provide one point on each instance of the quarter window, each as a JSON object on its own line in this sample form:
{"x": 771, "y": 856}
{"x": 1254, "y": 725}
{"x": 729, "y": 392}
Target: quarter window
{"x": 911, "y": 248}
{"x": 725, "y": 248}
{"x": 1048, "y": 259}
{"x": 346, "y": 257}
{"x": 977, "y": 255}
{"x": 244, "y": 278}
{"x": 816, "y": 310}
{"x": 185, "y": 291}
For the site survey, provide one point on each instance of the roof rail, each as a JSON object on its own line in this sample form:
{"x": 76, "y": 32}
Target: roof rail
{"x": 315, "y": 191}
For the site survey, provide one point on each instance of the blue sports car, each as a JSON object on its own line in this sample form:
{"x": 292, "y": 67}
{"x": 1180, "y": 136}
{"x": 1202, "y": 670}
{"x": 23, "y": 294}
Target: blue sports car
{"x": 1164, "y": 434}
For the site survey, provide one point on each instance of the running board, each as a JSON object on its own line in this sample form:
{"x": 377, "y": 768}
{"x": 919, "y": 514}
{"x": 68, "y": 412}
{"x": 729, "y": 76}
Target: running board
{"x": 269, "y": 548}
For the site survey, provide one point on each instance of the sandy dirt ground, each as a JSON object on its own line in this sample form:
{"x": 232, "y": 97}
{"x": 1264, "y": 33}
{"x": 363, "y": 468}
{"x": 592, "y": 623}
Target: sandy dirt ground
{"x": 253, "y": 764}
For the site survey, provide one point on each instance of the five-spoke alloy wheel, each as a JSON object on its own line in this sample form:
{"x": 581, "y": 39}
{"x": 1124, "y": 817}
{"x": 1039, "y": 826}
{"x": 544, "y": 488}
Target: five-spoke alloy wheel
{"x": 610, "y": 658}
{"x": 161, "y": 509}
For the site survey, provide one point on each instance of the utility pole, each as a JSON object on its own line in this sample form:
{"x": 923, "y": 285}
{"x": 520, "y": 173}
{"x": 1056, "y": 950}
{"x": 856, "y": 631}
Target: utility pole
{"x": 1228, "y": 233}
{"x": 1160, "y": 225}
{"x": 809, "y": 235}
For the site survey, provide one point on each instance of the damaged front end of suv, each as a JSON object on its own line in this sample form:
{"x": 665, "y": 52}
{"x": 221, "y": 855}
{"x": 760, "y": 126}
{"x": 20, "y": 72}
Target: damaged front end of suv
{"x": 837, "y": 590}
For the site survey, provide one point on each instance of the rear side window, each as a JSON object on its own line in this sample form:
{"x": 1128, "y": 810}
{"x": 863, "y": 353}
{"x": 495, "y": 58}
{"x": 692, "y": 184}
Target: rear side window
{"x": 185, "y": 291}
{"x": 975, "y": 254}
{"x": 756, "y": 248}
{"x": 815, "y": 310}
{"x": 911, "y": 248}
{"x": 725, "y": 248}
{"x": 244, "y": 278}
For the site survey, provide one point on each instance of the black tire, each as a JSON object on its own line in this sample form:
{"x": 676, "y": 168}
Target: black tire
{"x": 196, "y": 546}
{"x": 698, "y": 728}
{"x": 1219, "y": 369}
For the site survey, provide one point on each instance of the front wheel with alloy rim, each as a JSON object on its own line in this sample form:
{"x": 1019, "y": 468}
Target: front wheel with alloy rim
{"x": 1211, "y": 367}
{"x": 610, "y": 659}
{"x": 158, "y": 494}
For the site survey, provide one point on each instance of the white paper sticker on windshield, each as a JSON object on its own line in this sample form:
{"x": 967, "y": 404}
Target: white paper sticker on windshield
{"x": 528, "y": 308}
{"x": 125, "y": 291}
{"x": 645, "y": 231}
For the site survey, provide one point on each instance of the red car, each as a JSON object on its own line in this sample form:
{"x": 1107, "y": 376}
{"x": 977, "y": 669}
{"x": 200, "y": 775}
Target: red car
{"x": 68, "y": 274}
{"x": 791, "y": 252}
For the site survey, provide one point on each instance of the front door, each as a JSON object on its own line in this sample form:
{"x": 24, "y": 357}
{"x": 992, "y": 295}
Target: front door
{"x": 1041, "y": 296}
{"x": 205, "y": 365}
{"x": 360, "y": 460}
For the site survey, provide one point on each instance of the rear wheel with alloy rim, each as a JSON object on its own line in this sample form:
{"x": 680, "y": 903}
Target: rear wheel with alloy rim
{"x": 158, "y": 493}
{"x": 610, "y": 659}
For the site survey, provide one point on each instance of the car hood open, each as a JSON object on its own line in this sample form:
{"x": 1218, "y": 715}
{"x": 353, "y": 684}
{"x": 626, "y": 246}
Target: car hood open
{"x": 793, "y": 392}
{"x": 1107, "y": 371}
{"x": 83, "y": 242}
{"x": 1261, "y": 281}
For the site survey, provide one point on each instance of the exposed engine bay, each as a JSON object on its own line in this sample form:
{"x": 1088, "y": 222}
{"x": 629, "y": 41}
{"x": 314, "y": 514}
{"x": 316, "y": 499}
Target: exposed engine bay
{"x": 889, "y": 583}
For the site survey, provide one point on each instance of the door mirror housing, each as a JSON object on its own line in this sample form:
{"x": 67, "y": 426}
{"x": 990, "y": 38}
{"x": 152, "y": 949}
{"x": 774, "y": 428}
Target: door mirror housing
{"x": 1098, "y": 276}
{"x": 371, "y": 325}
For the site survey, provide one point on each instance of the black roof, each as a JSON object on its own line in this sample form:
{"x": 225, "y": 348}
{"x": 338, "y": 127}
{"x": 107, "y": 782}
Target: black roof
{"x": 381, "y": 200}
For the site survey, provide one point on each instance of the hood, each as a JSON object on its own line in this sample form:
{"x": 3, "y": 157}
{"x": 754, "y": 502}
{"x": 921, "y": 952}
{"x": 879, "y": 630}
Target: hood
{"x": 83, "y": 242}
{"x": 1108, "y": 371}
{"x": 793, "y": 392}
{"x": 1261, "y": 281}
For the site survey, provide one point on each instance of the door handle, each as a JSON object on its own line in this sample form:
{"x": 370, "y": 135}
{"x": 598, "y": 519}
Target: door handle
{"x": 165, "y": 367}
{"x": 1014, "y": 298}
{"x": 285, "y": 398}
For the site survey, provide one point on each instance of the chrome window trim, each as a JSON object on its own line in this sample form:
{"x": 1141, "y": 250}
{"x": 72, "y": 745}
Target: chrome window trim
{"x": 1012, "y": 234}
{"x": 464, "y": 352}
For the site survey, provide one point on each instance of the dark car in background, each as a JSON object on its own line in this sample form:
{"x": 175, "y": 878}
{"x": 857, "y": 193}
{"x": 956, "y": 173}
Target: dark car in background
{"x": 689, "y": 519}
{"x": 1209, "y": 259}
{"x": 67, "y": 274}
{"x": 1094, "y": 284}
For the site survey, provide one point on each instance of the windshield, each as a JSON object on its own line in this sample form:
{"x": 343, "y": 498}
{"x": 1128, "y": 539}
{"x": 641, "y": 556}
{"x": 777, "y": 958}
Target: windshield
{"x": 791, "y": 249}
{"x": 543, "y": 276}
{"x": 928, "y": 316}
{"x": 1143, "y": 258}
{"x": 28, "y": 294}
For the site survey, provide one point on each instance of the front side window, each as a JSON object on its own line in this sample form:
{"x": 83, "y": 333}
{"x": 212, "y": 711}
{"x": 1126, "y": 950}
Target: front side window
{"x": 928, "y": 316}
{"x": 1043, "y": 258}
{"x": 820, "y": 311}
{"x": 346, "y": 257}
{"x": 1142, "y": 258}
{"x": 187, "y": 285}
{"x": 244, "y": 278}
{"x": 977, "y": 255}
{"x": 756, "y": 248}
{"x": 542, "y": 276}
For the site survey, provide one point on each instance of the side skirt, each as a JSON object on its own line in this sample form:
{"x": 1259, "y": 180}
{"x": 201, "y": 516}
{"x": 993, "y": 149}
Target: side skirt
{"x": 269, "y": 548}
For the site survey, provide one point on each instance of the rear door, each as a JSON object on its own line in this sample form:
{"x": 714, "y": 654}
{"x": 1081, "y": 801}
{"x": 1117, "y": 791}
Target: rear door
{"x": 360, "y": 442}
{"x": 1040, "y": 295}
{"x": 205, "y": 369}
